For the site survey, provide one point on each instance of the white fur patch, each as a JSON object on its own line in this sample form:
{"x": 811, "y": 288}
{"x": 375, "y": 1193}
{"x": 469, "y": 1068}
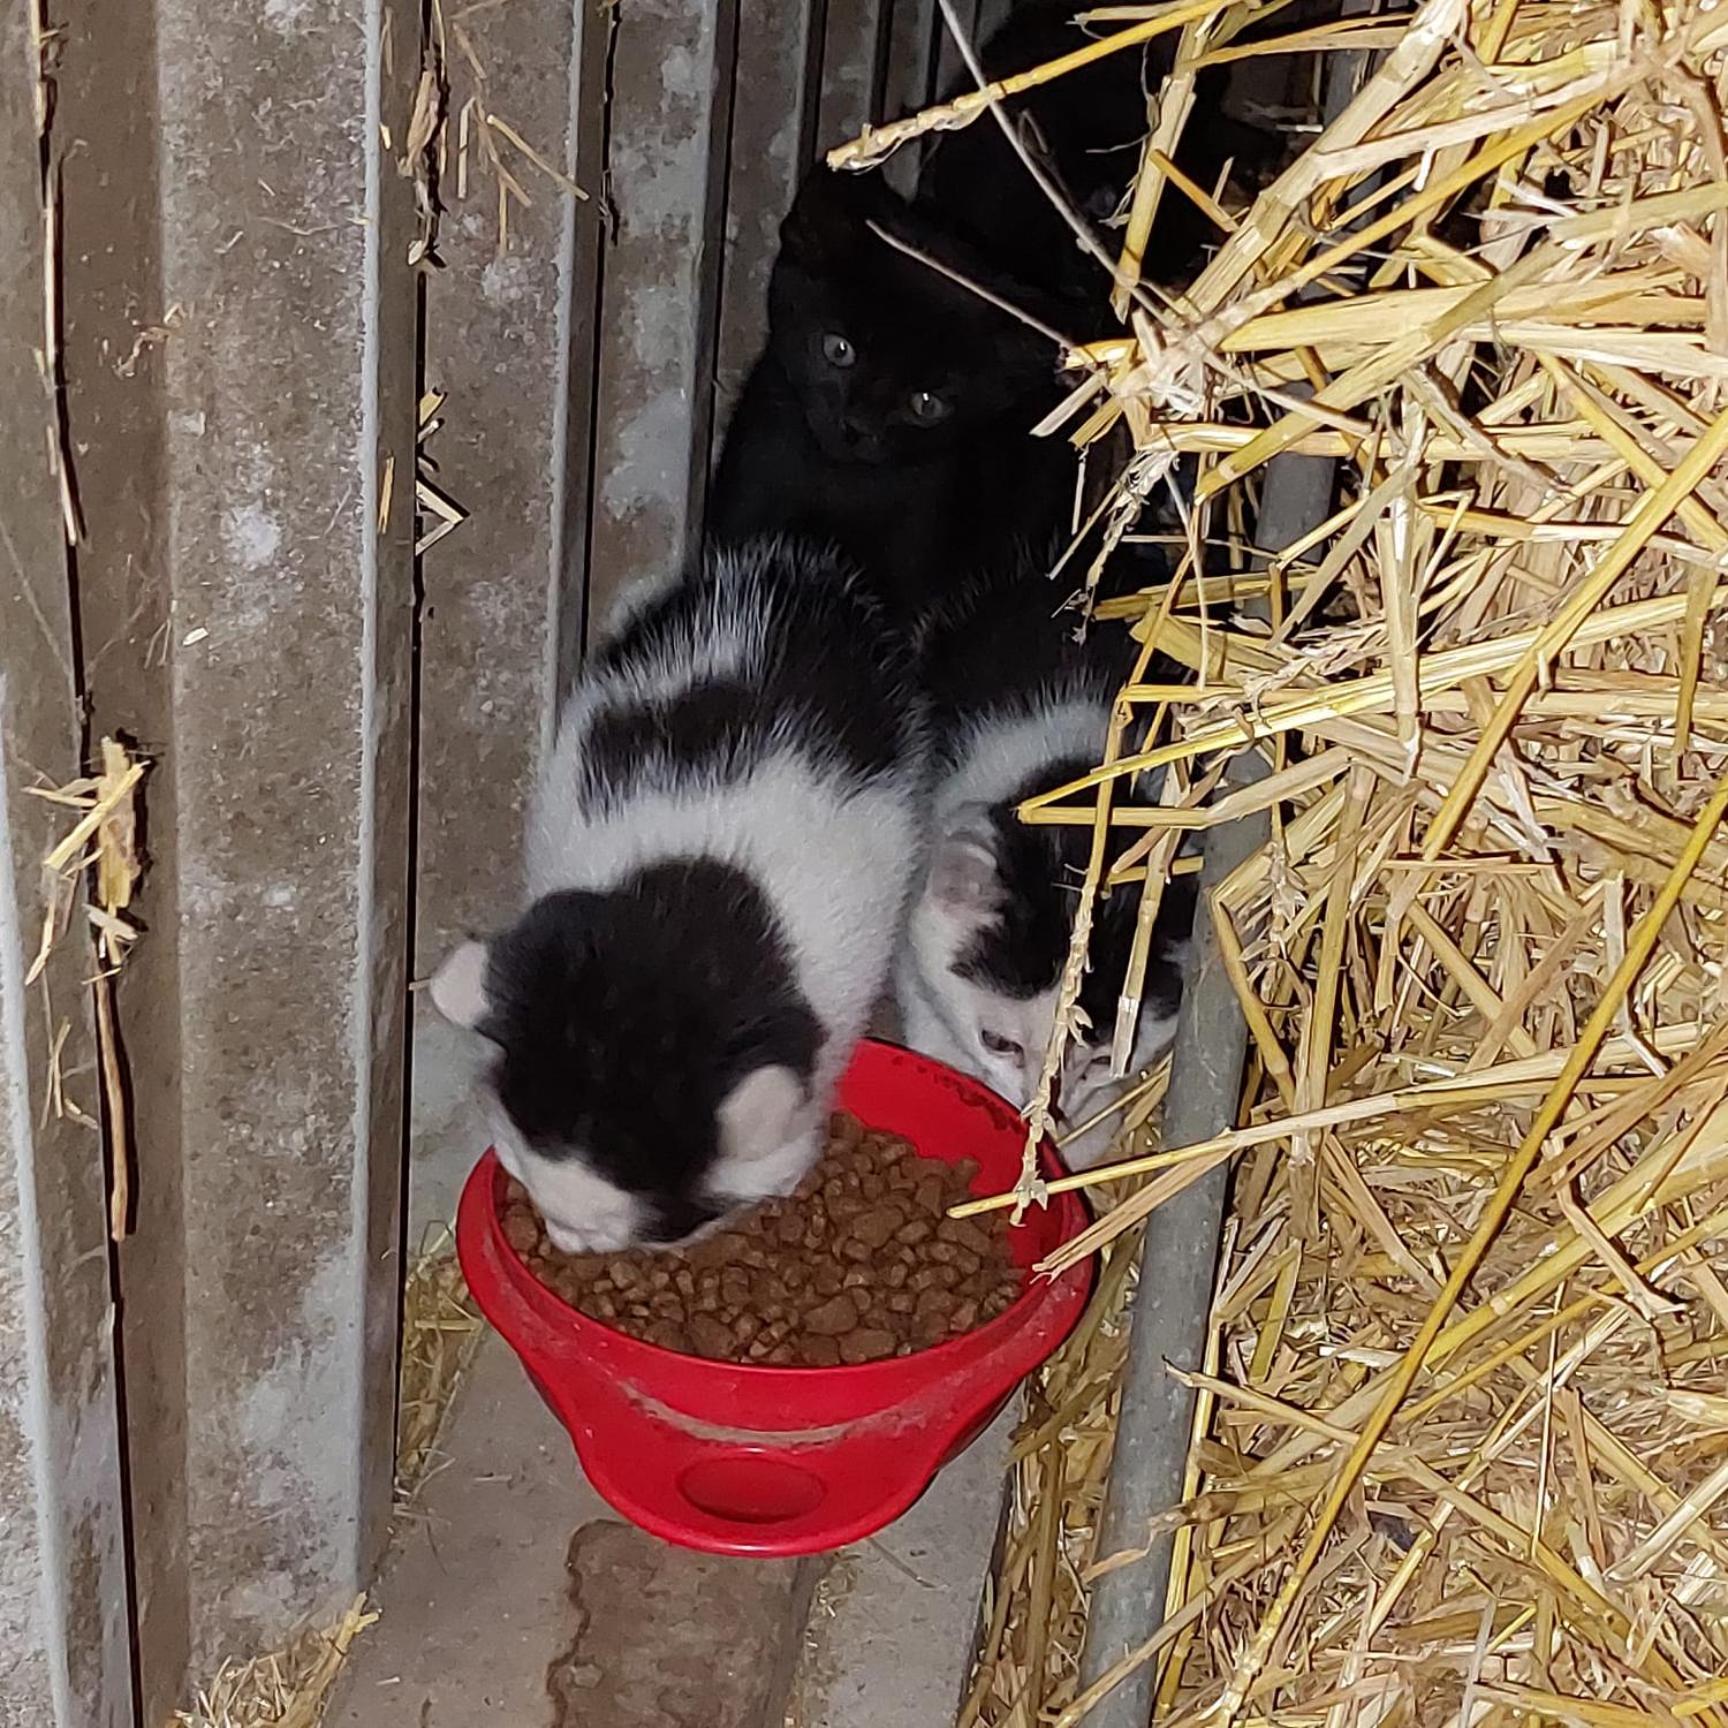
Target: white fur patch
{"x": 999, "y": 755}
{"x": 584, "y": 1213}
{"x": 834, "y": 863}
{"x": 459, "y": 986}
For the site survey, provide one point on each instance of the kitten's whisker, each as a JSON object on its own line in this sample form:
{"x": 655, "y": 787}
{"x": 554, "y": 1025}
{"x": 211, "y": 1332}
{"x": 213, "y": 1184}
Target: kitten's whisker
{"x": 960, "y": 279}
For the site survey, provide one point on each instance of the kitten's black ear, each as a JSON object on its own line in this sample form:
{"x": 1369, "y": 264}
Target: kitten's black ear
{"x": 826, "y": 224}
{"x": 459, "y": 986}
{"x": 963, "y": 876}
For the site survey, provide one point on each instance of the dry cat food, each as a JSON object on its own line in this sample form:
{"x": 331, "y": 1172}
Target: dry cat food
{"x": 861, "y": 1263}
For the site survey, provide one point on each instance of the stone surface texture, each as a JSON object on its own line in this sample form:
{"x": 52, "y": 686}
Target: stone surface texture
{"x": 63, "y": 1628}
{"x": 241, "y": 367}
{"x": 515, "y": 1596}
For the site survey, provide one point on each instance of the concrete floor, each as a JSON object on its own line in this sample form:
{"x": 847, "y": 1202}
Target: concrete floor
{"x": 516, "y": 1597}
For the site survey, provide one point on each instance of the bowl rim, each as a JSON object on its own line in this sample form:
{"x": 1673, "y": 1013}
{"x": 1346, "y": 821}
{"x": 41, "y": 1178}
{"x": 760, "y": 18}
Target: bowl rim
{"x": 1038, "y": 1293}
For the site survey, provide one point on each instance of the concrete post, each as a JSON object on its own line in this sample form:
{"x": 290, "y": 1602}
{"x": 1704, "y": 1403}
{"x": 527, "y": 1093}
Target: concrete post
{"x": 63, "y": 1621}
{"x": 511, "y": 339}
{"x": 774, "y": 115}
{"x": 667, "y": 127}
{"x": 853, "y": 33}
{"x": 241, "y": 368}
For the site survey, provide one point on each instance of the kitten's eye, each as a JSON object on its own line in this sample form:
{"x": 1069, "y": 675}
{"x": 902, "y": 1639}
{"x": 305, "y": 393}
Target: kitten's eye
{"x": 927, "y": 406}
{"x": 837, "y": 351}
{"x": 1098, "y": 1064}
{"x": 998, "y": 1046}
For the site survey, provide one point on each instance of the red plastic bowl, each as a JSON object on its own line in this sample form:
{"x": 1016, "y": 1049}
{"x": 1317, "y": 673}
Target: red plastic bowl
{"x": 772, "y": 1461}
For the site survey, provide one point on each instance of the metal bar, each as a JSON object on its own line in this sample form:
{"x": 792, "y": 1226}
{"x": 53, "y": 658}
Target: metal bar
{"x": 1178, "y": 1255}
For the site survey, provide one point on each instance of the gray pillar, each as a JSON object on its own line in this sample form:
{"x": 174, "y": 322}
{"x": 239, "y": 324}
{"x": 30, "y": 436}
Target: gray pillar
{"x": 63, "y": 1626}
{"x": 240, "y": 319}
{"x": 510, "y": 337}
{"x": 773, "y": 138}
{"x": 670, "y": 103}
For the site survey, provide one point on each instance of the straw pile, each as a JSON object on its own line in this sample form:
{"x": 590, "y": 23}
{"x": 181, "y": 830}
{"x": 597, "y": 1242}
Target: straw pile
{"x": 1460, "y": 1456}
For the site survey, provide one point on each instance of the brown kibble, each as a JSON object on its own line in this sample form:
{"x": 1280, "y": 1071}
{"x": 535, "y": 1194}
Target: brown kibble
{"x": 928, "y": 1329}
{"x": 875, "y": 1227}
{"x": 835, "y": 1316}
{"x": 709, "y": 1337}
{"x": 521, "y": 1230}
{"x": 866, "y": 1345}
{"x": 934, "y": 1278}
{"x": 860, "y": 1265}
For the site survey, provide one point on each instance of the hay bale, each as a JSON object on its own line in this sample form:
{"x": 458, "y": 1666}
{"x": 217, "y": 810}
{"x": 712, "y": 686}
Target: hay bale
{"x": 1461, "y": 1445}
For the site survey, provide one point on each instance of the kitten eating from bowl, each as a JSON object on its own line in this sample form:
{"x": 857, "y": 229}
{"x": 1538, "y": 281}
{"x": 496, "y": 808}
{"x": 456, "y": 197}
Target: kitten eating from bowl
{"x": 718, "y": 861}
{"x": 1020, "y": 707}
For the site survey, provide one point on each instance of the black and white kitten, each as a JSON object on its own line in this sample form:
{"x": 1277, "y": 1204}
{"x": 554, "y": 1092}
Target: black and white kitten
{"x": 1020, "y": 706}
{"x": 889, "y": 412}
{"x": 719, "y": 857}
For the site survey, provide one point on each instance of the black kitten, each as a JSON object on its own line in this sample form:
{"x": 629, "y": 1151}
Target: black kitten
{"x": 889, "y": 413}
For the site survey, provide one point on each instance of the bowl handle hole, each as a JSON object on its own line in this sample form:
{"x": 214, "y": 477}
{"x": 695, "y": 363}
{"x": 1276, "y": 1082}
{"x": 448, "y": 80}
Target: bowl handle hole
{"x": 752, "y": 1488}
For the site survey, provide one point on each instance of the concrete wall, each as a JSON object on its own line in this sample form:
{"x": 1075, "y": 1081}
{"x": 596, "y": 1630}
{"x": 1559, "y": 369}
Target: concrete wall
{"x": 63, "y": 1630}
{"x": 240, "y": 326}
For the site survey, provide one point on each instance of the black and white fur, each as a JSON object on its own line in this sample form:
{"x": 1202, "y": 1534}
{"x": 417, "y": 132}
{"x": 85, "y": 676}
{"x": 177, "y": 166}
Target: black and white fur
{"x": 1020, "y": 706}
{"x": 718, "y": 862}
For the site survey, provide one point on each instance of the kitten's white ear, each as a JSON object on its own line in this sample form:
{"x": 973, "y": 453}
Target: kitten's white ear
{"x": 963, "y": 872}
{"x": 760, "y": 1113}
{"x": 459, "y": 986}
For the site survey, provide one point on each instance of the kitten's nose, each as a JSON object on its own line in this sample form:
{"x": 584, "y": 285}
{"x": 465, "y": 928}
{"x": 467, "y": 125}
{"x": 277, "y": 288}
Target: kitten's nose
{"x": 860, "y": 440}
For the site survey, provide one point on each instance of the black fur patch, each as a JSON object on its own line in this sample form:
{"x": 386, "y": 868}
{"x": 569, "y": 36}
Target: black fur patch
{"x": 709, "y": 730}
{"x": 624, "y": 1019}
{"x": 1085, "y": 130}
{"x": 830, "y": 674}
{"x": 1005, "y": 645}
{"x": 1019, "y": 954}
